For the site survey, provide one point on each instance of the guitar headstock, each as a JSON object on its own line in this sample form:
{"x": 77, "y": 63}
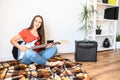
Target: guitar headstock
{"x": 60, "y": 42}
{"x": 64, "y": 42}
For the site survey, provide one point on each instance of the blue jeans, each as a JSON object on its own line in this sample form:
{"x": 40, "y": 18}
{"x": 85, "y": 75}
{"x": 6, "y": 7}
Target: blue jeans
{"x": 39, "y": 58}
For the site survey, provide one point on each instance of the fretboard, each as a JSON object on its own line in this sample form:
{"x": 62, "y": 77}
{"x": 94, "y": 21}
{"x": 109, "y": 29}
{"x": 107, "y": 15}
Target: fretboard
{"x": 44, "y": 45}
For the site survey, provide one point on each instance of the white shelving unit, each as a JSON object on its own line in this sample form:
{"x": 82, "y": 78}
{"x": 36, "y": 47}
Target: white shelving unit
{"x": 108, "y": 26}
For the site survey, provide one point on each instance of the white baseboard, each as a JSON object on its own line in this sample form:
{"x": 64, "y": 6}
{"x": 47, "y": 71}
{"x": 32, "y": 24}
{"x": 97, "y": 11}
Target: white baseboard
{"x": 65, "y": 49}
{"x": 6, "y": 58}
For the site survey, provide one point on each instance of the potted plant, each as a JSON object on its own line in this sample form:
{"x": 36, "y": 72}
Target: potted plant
{"x": 84, "y": 19}
{"x": 118, "y": 41}
{"x": 98, "y": 30}
{"x": 118, "y": 38}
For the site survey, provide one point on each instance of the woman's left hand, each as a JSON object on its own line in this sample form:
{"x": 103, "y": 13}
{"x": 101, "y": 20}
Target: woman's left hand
{"x": 49, "y": 45}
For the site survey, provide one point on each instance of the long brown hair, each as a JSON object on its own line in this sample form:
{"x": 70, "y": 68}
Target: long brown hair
{"x": 40, "y": 30}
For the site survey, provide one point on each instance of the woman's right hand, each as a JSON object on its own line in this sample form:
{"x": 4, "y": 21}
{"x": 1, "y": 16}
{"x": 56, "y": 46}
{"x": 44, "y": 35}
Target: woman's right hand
{"x": 14, "y": 41}
{"x": 23, "y": 48}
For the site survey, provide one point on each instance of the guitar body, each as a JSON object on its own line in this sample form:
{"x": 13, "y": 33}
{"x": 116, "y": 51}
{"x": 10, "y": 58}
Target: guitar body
{"x": 17, "y": 52}
{"x": 29, "y": 45}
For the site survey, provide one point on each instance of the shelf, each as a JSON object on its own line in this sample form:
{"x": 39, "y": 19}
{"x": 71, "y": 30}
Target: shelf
{"x": 103, "y": 35}
{"x": 108, "y": 26}
{"x": 105, "y": 4}
{"x": 106, "y": 20}
{"x": 103, "y": 49}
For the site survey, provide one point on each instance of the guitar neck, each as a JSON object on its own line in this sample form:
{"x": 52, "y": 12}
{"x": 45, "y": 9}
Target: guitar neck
{"x": 44, "y": 45}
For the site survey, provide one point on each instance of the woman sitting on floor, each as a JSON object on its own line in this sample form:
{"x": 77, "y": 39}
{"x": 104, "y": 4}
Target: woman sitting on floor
{"x": 34, "y": 33}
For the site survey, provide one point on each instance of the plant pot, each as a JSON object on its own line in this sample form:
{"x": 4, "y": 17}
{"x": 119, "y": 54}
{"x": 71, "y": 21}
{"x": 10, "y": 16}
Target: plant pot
{"x": 98, "y": 32}
{"x": 105, "y": 1}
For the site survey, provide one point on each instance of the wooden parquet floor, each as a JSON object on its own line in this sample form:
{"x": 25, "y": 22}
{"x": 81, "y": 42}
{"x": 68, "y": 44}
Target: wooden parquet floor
{"x": 107, "y": 66}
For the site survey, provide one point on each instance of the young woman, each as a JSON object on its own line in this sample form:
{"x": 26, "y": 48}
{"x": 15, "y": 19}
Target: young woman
{"x": 34, "y": 34}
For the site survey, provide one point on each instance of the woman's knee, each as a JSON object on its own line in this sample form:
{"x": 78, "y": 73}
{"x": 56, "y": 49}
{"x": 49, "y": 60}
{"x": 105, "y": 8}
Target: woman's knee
{"x": 31, "y": 53}
{"x": 54, "y": 48}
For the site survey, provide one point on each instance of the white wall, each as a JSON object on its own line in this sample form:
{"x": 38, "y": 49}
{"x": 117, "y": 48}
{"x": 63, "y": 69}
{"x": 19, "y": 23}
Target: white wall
{"x": 61, "y": 19}
{"x": 118, "y": 27}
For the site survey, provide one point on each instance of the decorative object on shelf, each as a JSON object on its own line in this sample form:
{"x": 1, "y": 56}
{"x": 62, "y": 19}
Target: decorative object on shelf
{"x": 106, "y": 43}
{"x": 112, "y": 2}
{"x": 105, "y": 1}
{"x": 84, "y": 18}
{"x": 98, "y": 30}
{"x": 111, "y": 13}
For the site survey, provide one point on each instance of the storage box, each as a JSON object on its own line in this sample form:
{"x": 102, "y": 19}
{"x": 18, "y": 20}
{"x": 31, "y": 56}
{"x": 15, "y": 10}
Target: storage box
{"x": 86, "y": 51}
{"x": 112, "y": 2}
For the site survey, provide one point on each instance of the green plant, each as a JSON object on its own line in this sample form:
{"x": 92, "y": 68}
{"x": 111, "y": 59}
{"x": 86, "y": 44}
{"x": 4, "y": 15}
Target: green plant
{"x": 84, "y": 18}
{"x": 98, "y": 27}
{"x": 98, "y": 30}
{"x": 118, "y": 38}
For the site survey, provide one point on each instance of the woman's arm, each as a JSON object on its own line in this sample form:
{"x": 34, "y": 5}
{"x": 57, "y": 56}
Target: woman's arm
{"x": 14, "y": 42}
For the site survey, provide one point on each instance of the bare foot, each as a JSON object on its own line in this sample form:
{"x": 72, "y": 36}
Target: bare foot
{"x": 32, "y": 66}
